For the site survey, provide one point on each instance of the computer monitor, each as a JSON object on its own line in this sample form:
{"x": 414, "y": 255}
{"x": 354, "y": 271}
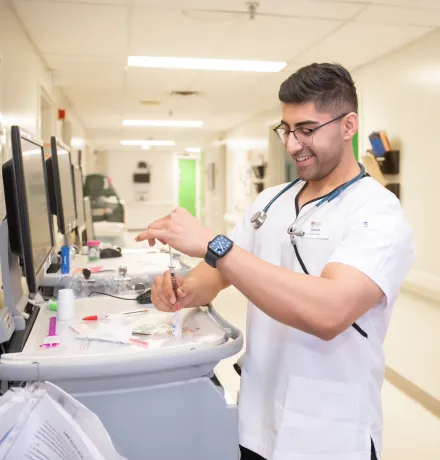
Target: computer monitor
{"x": 79, "y": 195}
{"x": 79, "y": 203}
{"x": 61, "y": 191}
{"x": 89, "y": 219}
{"x": 29, "y": 220}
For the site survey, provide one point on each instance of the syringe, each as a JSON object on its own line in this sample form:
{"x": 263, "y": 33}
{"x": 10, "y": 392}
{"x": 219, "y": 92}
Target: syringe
{"x": 176, "y": 320}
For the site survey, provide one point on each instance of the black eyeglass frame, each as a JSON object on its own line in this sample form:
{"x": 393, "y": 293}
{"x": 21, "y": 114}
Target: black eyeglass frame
{"x": 310, "y": 131}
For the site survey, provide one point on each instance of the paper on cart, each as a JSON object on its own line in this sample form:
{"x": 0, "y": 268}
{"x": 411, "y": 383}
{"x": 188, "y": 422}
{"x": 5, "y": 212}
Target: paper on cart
{"x": 11, "y": 406}
{"x": 108, "y": 332}
{"x": 86, "y": 419}
{"x": 48, "y": 428}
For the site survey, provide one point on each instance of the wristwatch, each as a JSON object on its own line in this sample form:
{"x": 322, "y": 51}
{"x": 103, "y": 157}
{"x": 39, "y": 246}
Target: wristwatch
{"x": 217, "y": 248}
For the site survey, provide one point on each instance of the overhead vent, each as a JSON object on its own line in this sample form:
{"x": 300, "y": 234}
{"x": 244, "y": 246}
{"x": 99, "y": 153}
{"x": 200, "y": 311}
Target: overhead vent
{"x": 185, "y": 93}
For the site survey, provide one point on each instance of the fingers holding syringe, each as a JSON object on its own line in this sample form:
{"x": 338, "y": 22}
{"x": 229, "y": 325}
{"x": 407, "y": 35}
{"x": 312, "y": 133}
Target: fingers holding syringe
{"x": 159, "y": 296}
{"x": 170, "y": 288}
{"x": 162, "y": 293}
{"x": 152, "y": 234}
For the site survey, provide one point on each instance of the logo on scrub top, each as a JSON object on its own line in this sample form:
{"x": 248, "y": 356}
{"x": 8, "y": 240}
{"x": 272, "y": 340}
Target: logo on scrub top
{"x": 315, "y": 226}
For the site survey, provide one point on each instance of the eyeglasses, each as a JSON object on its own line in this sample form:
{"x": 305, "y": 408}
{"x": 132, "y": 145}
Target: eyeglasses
{"x": 303, "y": 135}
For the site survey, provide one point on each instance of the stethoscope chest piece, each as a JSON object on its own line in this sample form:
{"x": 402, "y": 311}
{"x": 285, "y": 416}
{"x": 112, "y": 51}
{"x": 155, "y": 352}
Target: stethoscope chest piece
{"x": 258, "y": 219}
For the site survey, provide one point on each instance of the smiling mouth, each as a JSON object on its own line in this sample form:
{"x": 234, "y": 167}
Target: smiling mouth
{"x": 302, "y": 158}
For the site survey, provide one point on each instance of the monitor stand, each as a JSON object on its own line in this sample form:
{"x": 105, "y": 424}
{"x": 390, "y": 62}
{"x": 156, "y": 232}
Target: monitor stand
{"x": 14, "y": 297}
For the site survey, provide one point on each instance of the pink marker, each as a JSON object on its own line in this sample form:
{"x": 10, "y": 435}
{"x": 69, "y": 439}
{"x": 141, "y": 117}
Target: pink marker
{"x": 51, "y": 340}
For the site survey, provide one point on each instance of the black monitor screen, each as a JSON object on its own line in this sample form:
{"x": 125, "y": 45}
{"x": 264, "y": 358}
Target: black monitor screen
{"x": 79, "y": 197}
{"x": 27, "y": 206}
{"x": 36, "y": 195}
{"x": 61, "y": 187}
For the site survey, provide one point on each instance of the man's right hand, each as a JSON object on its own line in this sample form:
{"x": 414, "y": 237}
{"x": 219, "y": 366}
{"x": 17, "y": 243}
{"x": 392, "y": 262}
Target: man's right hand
{"x": 200, "y": 287}
{"x": 162, "y": 294}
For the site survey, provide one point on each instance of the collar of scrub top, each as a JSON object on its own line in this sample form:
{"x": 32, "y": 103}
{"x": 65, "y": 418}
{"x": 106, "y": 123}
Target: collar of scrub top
{"x": 296, "y": 228}
{"x": 259, "y": 217}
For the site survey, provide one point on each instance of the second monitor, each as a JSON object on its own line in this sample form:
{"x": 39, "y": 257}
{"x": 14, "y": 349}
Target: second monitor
{"x": 61, "y": 189}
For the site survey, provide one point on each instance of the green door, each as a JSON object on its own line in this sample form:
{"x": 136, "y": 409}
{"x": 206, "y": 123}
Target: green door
{"x": 187, "y": 185}
{"x": 356, "y": 145}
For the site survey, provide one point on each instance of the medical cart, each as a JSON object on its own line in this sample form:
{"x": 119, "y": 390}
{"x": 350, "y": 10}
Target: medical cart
{"x": 161, "y": 402}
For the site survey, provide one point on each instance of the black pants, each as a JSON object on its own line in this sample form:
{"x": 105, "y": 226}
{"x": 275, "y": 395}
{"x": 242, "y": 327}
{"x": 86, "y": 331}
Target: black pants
{"x": 247, "y": 454}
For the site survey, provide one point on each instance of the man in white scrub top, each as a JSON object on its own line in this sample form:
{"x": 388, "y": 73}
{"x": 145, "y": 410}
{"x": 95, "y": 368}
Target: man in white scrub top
{"x": 320, "y": 298}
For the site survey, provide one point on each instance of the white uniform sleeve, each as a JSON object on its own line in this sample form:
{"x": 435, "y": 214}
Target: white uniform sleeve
{"x": 243, "y": 233}
{"x": 378, "y": 242}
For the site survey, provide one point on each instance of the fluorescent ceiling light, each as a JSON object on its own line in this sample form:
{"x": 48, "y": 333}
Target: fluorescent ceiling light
{"x": 193, "y": 150}
{"x": 205, "y": 64}
{"x": 174, "y": 123}
{"x": 149, "y": 143}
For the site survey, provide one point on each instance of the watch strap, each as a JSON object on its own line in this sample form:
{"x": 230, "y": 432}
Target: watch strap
{"x": 211, "y": 258}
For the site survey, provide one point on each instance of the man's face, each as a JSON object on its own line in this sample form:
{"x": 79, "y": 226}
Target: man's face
{"x": 323, "y": 149}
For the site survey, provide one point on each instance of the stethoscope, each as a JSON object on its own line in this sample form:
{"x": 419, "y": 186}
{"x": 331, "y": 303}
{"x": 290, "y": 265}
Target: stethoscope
{"x": 295, "y": 229}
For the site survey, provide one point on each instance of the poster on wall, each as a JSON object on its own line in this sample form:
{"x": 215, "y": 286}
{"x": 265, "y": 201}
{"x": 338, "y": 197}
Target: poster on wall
{"x": 141, "y": 181}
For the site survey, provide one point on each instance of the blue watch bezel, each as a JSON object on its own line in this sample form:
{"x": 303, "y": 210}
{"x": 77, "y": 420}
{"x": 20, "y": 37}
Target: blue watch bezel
{"x": 211, "y": 257}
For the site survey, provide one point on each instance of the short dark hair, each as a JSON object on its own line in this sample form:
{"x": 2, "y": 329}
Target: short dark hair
{"x": 329, "y": 86}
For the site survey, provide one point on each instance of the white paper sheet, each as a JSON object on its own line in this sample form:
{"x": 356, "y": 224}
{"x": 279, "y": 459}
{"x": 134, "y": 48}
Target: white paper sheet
{"x": 54, "y": 426}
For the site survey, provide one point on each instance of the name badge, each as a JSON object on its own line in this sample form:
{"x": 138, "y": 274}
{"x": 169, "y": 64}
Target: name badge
{"x": 315, "y": 230}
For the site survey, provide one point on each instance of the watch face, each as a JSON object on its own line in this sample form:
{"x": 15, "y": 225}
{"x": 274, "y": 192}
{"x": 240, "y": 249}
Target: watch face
{"x": 220, "y": 245}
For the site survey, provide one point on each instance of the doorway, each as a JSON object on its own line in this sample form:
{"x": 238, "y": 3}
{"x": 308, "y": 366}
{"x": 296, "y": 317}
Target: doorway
{"x": 188, "y": 181}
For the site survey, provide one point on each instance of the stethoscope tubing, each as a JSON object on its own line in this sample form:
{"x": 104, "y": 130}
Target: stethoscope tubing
{"x": 259, "y": 218}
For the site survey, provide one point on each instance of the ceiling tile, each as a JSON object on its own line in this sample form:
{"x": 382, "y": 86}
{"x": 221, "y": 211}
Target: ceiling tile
{"x": 211, "y": 82}
{"x": 373, "y": 2}
{"x": 312, "y": 8}
{"x": 94, "y": 2}
{"x": 215, "y": 11}
{"x": 90, "y": 78}
{"x": 277, "y": 39}
{"x": 433, "y": 4}
{"x": 69, "y": 28}
{"x": 366, "y": 42}
{"x": 86, "y": 43}
{"x": 58, "y": 61}
{"x": 162, "y": 32}
{"x": 407, "y": 16}
{"x": 103, "y": 101}
{"x": 271, "y": 83}
{"x": 147, "y": 83}
{"x": 191, "y": 4}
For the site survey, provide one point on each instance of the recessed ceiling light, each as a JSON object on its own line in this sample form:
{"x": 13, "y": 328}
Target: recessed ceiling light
{"x": 172, "y": 123}
{"x": 146, "y": 142}
{"x": 193, "y": 150}
{"x": 205, "y": 64}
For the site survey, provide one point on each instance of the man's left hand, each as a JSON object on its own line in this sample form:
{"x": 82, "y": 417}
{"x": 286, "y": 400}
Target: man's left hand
{"x": 182, "y": 231}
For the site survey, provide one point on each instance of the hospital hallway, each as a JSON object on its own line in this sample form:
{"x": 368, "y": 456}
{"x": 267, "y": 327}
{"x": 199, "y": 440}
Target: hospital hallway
{"x": 291, "y": 145}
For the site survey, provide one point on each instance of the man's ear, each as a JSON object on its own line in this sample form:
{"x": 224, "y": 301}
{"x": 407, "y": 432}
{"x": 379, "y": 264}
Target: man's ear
{"x": 350, "y": 125}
